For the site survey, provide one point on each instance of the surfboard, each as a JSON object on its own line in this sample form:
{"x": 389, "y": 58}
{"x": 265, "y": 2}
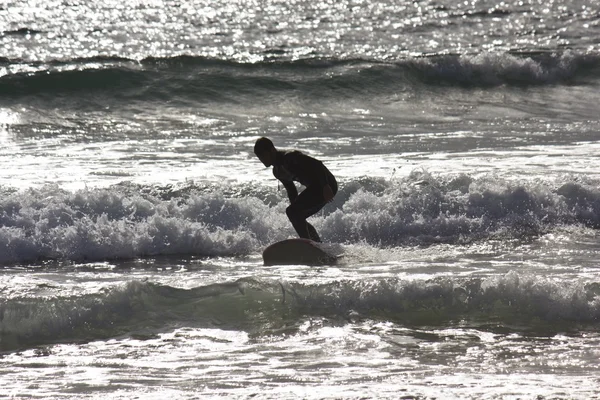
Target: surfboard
{"x": 298, "y": 251}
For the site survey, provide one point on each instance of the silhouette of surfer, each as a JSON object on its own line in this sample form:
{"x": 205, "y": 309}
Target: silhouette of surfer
{"x": 290, "y": 166}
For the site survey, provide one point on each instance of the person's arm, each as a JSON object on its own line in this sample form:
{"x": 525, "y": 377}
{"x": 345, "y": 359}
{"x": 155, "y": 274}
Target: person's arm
{"x": 291, "y": 190}
{"x": 327, "y": 193}
{"x": 314, "y": 170}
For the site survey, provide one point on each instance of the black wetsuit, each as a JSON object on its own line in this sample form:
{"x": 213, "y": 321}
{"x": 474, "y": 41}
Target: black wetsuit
{"x": 290, "y": 166}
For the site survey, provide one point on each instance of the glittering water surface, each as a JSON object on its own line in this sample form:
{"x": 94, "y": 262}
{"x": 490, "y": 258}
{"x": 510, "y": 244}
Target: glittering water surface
{"x": 254, "y": 30}
{"x": 133, "y": 212}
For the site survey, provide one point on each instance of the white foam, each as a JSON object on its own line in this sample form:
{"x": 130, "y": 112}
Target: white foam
{"x": 506, "y": 297}
{"x": 129, "y": 222}
{"x": 490, "y": 68}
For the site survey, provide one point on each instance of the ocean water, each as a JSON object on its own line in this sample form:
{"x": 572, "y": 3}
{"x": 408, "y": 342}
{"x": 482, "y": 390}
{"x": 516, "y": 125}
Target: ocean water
{"x": 465, "y": 137}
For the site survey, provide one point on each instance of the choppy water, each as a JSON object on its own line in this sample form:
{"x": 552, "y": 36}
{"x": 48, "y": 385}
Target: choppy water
{"x": 133, "y": 212}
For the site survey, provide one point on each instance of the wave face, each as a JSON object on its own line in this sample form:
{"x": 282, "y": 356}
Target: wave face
{"x": 143, "y": 308}
{"x": 128, "y": 221}
{"x": 203, "y": 80}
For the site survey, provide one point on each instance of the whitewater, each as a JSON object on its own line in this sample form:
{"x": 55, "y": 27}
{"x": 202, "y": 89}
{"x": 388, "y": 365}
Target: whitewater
{"x": 133, "y": 212}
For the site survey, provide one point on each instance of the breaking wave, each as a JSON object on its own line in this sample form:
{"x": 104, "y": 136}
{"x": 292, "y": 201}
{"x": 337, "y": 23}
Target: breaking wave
{"x": 203, "y": 80}
{"x": 144, "y": 308}
{"x": 128, "y": 221}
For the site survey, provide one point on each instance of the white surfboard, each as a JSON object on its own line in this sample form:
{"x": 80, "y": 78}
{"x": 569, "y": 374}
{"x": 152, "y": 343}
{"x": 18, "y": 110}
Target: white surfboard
{"x": 298, "y": 251}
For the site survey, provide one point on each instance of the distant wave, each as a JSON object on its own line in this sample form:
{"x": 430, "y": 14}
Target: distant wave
{"x": 21, "y": 31}
{"x": 201, "y": 79}
{"x": 127, "y": 221}
{"x": 514, "y": 69}
{"x": 144, "y": 308}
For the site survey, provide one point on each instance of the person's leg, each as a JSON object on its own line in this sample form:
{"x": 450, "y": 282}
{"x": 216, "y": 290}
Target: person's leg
{"x": 309, "y": 202}
{"x": 312, "y": 232}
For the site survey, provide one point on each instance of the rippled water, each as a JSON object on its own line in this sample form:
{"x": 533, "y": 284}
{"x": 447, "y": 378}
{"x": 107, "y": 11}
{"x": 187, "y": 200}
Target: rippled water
{"x": 255, "y": 30}
{"x": 133, "y": 212}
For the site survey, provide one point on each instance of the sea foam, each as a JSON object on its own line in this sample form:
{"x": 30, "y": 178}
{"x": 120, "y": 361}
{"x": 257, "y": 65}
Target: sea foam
{"x": 505, "y": 298}
{"x": 123, "y": 222}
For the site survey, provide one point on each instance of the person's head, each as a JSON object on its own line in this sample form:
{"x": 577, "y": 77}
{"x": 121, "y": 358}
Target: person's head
{"x": 265, "y": 151}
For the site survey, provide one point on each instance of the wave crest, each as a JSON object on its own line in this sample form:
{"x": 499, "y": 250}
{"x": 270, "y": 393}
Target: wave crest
{"x": 123, "y": 222}
{"x": 506, "y": 299}
{"x": 265, "y": 305}
{"x": 205, "y": 80}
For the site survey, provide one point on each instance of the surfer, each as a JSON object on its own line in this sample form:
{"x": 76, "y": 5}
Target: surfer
{"x": 290, "y": 166}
